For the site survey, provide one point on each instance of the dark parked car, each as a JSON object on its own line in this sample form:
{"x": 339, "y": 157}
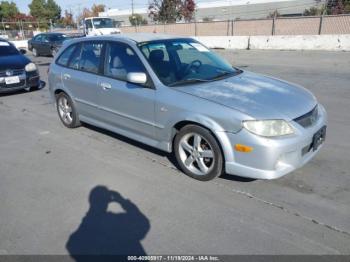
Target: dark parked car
{"x": 46, "y": 43}
{"x": 16, "y": 70}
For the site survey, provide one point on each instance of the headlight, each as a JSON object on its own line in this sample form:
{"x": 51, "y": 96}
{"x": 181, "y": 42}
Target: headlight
{"x": 268, "y": 128}
{"x": 30, "y": 67}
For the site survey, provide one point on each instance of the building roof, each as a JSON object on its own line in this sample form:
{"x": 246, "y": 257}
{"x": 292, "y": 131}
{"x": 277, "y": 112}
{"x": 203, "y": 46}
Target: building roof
{"x": 200, "y": 5}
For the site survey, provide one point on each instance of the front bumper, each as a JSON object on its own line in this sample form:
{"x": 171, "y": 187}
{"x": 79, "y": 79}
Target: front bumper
{"x": 272, "y": 157}
{"x": 27, "y": 81}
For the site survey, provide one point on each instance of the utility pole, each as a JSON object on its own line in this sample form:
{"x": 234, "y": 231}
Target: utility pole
{"x": 132, "y": 7}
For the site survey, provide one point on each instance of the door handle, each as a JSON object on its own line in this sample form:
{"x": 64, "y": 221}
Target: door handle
{"x": 106, "y": 86}
{"x": 66, "y": 76}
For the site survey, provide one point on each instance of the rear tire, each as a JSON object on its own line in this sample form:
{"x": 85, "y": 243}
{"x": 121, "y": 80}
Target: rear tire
{"x": 67, "y": 111}
{"x": 198, "y": 153}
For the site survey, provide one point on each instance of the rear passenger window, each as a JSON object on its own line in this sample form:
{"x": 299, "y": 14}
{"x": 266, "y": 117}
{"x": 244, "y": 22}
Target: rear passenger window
{"x": 64, "y": 58}
{"x": 90, "y": 57}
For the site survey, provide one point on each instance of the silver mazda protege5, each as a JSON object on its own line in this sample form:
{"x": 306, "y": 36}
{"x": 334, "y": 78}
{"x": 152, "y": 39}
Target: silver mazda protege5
{"x": 174, "y": 94}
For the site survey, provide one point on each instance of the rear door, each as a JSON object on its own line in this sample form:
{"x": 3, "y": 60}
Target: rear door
{"x": 80, "y": 77}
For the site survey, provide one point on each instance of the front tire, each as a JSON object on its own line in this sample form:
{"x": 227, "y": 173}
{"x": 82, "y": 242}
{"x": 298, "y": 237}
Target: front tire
{"x": 198, "y": 153}
{"x": 67, "y": 111}
{"x": 54, "y": 52}
{"x": 35, "y": 52}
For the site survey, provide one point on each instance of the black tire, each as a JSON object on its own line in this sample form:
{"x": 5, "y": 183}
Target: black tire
{"x": 35, "y": 52}
{"x": 217, "y": 166}
{"x": 73, "y": 113}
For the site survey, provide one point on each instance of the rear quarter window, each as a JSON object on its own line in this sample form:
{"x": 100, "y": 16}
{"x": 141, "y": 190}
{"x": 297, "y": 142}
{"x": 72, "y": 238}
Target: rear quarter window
{"x": 65, "y": 56}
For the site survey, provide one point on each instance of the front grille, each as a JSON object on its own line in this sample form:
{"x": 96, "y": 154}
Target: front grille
{"x": 308, "y": 119}
{"x": 14, "y": 72}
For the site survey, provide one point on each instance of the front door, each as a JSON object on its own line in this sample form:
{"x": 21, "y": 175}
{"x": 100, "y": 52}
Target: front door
{"x": 126, "y": 105}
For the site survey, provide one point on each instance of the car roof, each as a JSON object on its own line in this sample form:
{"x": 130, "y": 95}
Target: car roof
{"x": 52, "y": 33}
{"x": 136, "y": 37}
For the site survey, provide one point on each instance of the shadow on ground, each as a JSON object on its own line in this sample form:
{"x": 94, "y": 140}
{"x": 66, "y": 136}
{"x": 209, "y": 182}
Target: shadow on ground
{"x": 158, "y": 152}
{"x": 103, "y": 232}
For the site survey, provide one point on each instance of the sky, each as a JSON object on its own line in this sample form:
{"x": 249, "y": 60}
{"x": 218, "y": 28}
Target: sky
{"x": 74, "y": 4}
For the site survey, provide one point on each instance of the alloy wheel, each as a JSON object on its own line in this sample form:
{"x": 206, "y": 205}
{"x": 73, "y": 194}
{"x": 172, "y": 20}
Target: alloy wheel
{"x": 65, "y": 110}
{"x": 196, "y": 154}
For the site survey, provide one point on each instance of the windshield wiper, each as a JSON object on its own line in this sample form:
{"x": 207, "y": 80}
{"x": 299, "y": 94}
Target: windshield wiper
{"x": 189, "y": 81}
{"x": 227, "y": 74}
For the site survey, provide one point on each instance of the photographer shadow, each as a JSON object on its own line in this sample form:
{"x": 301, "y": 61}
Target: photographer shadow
{"x": 102, "y": 232}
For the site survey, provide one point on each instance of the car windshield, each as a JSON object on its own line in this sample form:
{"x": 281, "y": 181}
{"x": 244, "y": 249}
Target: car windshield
{"x": 7, "y": 49}
{"x": 57, "y": 38}
{"x": 183, "y": 61}
{"x": 103, "y": 23}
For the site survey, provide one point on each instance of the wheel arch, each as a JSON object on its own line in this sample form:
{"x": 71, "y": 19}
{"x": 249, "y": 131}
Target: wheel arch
{"x": 219, "y": 138}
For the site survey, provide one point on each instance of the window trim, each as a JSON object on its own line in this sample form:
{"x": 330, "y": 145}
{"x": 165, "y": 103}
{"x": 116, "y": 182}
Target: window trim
{"x": 103, "y": 55}
{"x": 151, "y": 84}
{"x": 74, "y": 45}
{"x": 103, "y": 42}
{"x": 38, "y": 38}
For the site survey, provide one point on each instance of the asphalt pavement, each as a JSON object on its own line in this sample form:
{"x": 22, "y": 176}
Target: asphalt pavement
{"x": 55, "y": 183}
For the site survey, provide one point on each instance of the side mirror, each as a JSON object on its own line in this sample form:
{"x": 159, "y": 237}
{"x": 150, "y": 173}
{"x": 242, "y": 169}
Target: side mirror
{"x": 22, "y": 51}
{"x": 136, "y": 78}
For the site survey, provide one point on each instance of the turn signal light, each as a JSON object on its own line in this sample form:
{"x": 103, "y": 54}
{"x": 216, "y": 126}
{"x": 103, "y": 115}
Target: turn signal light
{"x": 243, "y": 148}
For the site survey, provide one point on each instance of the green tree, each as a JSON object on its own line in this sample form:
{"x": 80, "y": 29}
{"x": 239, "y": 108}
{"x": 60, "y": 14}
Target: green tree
{"x": 165, "y": 11}
{"x": 8, "y": 10}
{"x": 137, "y": 19}
{"x": 45, "y": 10}
{"x": 53, "y": 10}
{"x": 37, "y": 8}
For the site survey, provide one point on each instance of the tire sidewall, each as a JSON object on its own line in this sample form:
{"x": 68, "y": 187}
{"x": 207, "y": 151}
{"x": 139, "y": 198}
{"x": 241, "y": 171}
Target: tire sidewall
{"x": 35, "y": 52}
{"x": 53, "y": 52}
{"x": 75, "y": 122}
{"x": 207, "y": 135}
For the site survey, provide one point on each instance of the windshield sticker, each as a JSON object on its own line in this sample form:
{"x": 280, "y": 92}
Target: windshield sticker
{"x": 199, "y": 47}
{"x": 4, "y": 44}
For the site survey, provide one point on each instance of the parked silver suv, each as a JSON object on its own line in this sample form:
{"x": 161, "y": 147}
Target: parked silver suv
{"x": 176, "y": 95}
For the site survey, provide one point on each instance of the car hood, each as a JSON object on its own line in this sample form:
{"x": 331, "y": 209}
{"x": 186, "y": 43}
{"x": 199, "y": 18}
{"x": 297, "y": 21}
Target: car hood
{"x": 258, "y": 96}
{"x": 13, "y": 62}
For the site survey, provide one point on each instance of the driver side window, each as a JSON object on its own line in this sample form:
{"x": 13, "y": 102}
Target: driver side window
{"x": 120, "y": 60}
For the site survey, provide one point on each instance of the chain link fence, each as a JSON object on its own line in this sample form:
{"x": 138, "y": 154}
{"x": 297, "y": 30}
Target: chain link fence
{"x": 312, "y": 25}
{"x": 21, "y": 30}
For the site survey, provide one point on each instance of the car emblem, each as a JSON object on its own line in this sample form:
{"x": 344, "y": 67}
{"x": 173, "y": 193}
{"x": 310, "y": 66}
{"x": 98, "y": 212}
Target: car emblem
{"x": 9, "y": 72}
